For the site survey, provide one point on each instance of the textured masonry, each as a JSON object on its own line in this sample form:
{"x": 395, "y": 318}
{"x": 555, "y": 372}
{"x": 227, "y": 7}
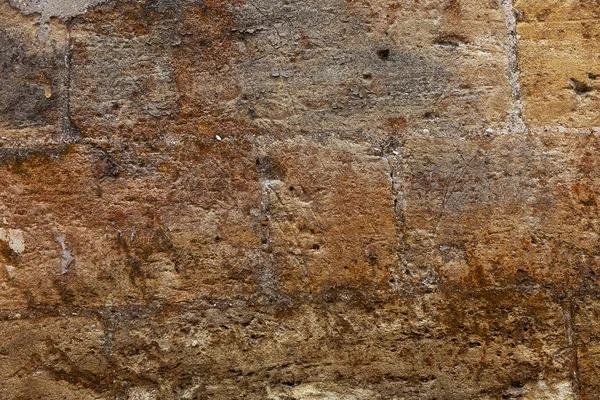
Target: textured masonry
{"x": 326, "y": 199}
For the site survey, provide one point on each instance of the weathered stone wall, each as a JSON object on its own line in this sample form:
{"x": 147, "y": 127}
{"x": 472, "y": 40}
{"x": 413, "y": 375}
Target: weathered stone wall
{"x": 320, "y": 199}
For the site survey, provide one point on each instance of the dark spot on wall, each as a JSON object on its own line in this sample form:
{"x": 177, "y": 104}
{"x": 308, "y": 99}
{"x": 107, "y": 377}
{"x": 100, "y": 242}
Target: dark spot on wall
{"x": 7, "y": 253}
{"x": 383, "y": 54}
{"x": 579, "y": 87}
{"x": 106, "y": 167}
{"x": 30, "y": 82}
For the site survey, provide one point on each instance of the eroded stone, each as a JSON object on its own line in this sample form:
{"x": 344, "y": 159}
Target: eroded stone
{"x": 33, "y": 78}
{"x": 559, "y": 60}
{"x": 500, "y": 211}
{"x": 330, "y": 215}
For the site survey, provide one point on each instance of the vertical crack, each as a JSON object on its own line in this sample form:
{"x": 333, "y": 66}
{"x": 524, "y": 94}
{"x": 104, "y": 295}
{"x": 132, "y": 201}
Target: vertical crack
{"x": 391, "y": 153}
{"x": 269, "y": 286}
{"x": 263, "y": 167}
{"x": 571, "y": 335}
{"x": 70, "y": 132}
{"x": 516, "y": 123}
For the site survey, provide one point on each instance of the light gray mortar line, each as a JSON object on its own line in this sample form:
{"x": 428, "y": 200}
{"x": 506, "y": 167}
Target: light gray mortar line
{"x": 394, "y": 188}
{"x": 266, "y": 273}
{"x": 489, "y": 132}
{"x": 63, "y": 9}
{"x": 594, "y": 130}
{"x": 264, "y": 195}
{"x": 571, "y": 336}
{"x": 516, "y": 123}
{"x": 69, "y": 133}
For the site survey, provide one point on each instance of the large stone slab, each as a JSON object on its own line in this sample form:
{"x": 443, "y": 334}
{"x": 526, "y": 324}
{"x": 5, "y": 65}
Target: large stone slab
{"x": 33, "y": 80}
{"x": 91, "y": 228}
{"x": 330, "y": 210}
{"x": 353, "y": 67}
{"x": 122, "y": 75}
{"x": 500, "y": 211}
{"x": 558, "y": 54}
{"x": 443, "y": 346}
{"x": 53, "y": 358}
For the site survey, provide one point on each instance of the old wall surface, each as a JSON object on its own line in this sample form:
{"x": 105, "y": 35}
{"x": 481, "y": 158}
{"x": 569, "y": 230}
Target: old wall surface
{"x": 319, "y": 199}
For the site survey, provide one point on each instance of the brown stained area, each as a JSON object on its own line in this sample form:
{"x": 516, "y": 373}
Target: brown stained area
{"x": 299, "y": 200}
{"x": 207, "y": 39}
{"x": 128, "y": 19}
{"x": 204, "y": 68}
{"x": 500, "y": 211}
{"x": 331, "y": 222}
{"x": 150, "y": 239}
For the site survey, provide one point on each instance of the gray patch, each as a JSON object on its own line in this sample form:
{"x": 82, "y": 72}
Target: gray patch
{"x": 31, "y": 79}
{"x": 62, "y": 9}
{"x": 66, "y": 258}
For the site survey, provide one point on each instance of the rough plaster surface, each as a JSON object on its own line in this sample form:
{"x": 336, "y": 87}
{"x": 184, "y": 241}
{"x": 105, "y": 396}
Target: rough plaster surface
{"x": 52, "y": 8}
{"x": 326, "y": 199}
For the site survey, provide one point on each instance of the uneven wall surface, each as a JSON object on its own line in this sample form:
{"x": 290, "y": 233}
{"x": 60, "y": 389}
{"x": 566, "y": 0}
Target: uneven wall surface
{"x": 319, "y": 199}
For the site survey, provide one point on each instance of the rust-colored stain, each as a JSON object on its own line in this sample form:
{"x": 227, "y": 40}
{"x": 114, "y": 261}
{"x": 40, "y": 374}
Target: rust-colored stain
{"x": 299, "y": 200}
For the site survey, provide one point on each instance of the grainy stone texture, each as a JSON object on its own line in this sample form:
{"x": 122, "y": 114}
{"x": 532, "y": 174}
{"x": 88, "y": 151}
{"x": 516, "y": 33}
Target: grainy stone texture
{"x": 231, "y": 199}
{"x": 559, "y": 56}
{"x": 33, "y": 78}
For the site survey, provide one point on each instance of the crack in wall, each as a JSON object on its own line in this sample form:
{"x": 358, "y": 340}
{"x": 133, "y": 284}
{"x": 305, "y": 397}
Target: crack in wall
{"x": 516, "y": 123}
{"x": 269, "y": 288}
{"x": 394, "y": 191}
{"x": 69, "y": 130}
{"x": 392, "y": 152}
{"x": 571, "y": 335}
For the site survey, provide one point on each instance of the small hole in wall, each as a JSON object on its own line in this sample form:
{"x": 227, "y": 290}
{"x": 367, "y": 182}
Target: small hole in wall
{"x": 316, "y": 246}
{"x": 217, "y": 238}
{"x": 384, "y": 54}
{"x": 292, "y": 188}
